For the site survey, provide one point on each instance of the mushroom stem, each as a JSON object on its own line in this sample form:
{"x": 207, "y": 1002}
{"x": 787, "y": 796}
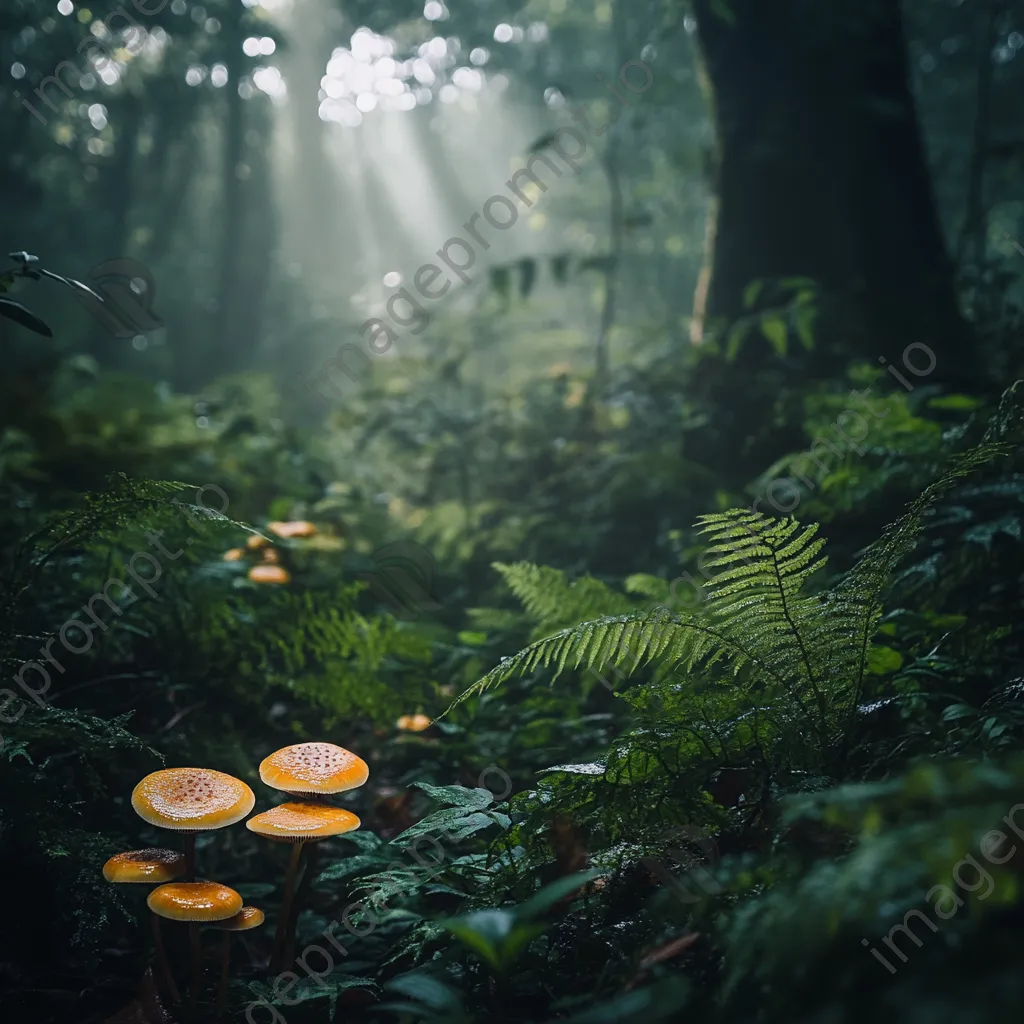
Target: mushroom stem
{"x": 308, "y": 871}
{"x": 161, "y": 959}
{"x": 190, "y": 857}
{"x": 225, "y": 962}
{"x": 197, "y": 968}
{"x": 286, "y": 906}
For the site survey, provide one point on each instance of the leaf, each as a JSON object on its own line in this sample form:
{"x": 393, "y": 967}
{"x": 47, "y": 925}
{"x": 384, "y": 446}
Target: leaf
{"x": 737, "y": 335}
{"x": 955, "y": 712}
{"x": 453, "y": 822}
{"x": 75, "y": 286}
{"x": 496, "y": 935}
{"x": 751, "y": 293}
{"x": 554, "y": 893}
{"x": 805, "y": 317}
{"x": 773, "y": 327}
{"x": 19, "y": 314}
{"x": 722, "y": 10}
{"x": 883, "y": 660}
{"x": 591, "y": 768}
{"x": 426, "y": 989}
{"x": 457, "y": 796}
{"x": 346, "y": 868}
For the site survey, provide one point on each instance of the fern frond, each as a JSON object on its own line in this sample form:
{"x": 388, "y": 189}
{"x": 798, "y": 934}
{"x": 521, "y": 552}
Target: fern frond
{"x": 628, "y": 641}
{"x": 548, "y": 597}
{"x": 853, "y": 608}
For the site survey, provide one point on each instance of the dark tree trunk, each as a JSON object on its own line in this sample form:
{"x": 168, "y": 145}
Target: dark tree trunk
{"x": 821, "y": 173}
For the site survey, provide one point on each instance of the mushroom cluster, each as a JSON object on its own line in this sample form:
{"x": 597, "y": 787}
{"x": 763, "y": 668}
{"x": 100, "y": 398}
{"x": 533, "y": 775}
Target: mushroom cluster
{"x": 313, "y": 772}
{"x": 193, "y": 800}
{"x": 267, "y": 566}
{"x": 189, "y": 801}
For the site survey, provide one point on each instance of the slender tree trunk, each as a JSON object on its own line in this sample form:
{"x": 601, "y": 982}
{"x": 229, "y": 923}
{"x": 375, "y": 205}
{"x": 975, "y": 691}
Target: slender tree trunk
{"x": 821, "y": 173}
{"x": 234, "y": 195}
{"x": 973, "y": 234}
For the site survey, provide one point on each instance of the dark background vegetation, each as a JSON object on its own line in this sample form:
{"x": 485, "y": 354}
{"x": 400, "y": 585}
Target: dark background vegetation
{"x": 807, "y": 190}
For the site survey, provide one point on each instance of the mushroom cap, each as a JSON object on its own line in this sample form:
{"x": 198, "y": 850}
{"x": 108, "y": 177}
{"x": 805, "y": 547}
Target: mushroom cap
{"x": 297, "y": 823}
{"x": 194, "y": 901}
{"x": 234, "y": 555}
{"x": 192, "y": 799}
{"x": 314, "y": 768}
{"x": 152, "y": 865}
{"x": 269, "y": 574}
{"x": 255, "y": 541}
{"x": 296, "y": 528}
{"x": 413, "y": 723}
{"x": 246, "y": 919}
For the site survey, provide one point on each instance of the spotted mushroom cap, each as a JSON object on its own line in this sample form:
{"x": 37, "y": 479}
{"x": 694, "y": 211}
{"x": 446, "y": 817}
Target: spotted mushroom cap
{"x": 298, "y": 823}
{"x": 246, "y": 919}
{"x": 152, "y": 865}
{"x": 194, "y": 901}
{"x": 313, "y": 769}
{"x": 192, "y": 799}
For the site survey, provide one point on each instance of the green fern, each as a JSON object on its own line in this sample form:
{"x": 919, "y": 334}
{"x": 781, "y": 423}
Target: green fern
{"x": 804, "y": 657}
{"x": 553, "y": 602}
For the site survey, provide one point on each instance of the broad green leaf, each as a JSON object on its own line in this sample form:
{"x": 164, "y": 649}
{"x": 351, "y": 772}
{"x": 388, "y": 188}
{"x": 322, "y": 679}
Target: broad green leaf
{"x": 773, "y": 327}
{"x": 457, "y": 796}
{"x": 551, "y": 894}
{"x": 883, "y": 660}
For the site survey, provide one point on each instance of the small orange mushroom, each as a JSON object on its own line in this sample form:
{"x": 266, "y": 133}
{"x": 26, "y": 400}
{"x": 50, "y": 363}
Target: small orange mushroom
{"x": 270, "y": 556}
{"x": 297, "y": 823}
{"x": 152, "y": 865}
{"x": 255, "y": 541}
{"x": 234, "y": 555}
{"x": 302, "y": 822}
{"x": 195, "y": 903}
{"x": 413, "y": 723}
{"x": 269, "y": 574}
{"x": 245, "y": 920}
{"x": 299, "y": 528}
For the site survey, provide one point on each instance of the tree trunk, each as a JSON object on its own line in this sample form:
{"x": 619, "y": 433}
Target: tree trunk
{"x": 821, "y": 173}
{"x": 234, "y": 197}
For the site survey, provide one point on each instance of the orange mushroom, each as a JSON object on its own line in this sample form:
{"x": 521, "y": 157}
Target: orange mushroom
{"x": 234, "y": 555}
{"x": 195, "y": 903}
{"x": 269, "y": 574}
{"x": 302, "y": 822}
{"x": 245, "y": 920}
{"x": 298, "y": 823}
{"x": 192, "y": 800}
{"x": 297, "y": 529}
{"x": 152, "y": 865}
{"x": 413, "y": 723}
{"x": 255, "y": 541}
{"x": 314, "y": 769}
